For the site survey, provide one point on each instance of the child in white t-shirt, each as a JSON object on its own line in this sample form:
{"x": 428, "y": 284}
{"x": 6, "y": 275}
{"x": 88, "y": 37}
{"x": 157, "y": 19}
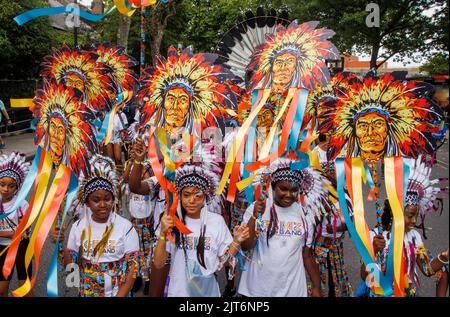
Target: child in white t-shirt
{"x": 281, "y": 234}
{"x": 103, "y": 244}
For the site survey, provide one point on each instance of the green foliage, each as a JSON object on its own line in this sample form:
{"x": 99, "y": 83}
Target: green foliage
{"x": 23, "y": 47}
{"x": 436, "y": 65}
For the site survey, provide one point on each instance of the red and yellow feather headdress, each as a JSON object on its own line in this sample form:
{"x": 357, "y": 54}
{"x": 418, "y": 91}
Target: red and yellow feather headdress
{"x": 309, "y": 44}
{"x": 97, "y": 85}
{"x": 206, "y": 83}
{"x": 411, "y": 116}
{"x": 120, "y": 66}
{"x": 65, "y": 103}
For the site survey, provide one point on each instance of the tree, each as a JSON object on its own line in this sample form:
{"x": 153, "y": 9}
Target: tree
{"x": 404, "y": 29}
{"x": 436, "y": 65}
{"x": 23, "y": 47}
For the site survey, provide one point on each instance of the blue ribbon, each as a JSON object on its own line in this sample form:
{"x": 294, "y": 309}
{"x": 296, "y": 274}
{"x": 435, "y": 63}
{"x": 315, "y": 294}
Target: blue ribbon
{"x": 385, "y": 280}
{"x": 103, "y": 130}
{"x": 33, "y": 123}
{"x": 248, "y": 154}
{"x": 303, "y": 161}
{"x": 297, "y": 125}
{"x": 36, "y": 13}
{"x": 27, "y": 184}
{"x": 368, "y": 175}
{"x": 52, "y": 278}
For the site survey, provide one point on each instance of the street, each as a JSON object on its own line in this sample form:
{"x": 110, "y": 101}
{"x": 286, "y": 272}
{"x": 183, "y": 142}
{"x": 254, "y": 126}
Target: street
{"x": 438, "y": 231}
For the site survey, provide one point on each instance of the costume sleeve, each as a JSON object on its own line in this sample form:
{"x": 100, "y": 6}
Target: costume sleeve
{"x": 73, "y": 242}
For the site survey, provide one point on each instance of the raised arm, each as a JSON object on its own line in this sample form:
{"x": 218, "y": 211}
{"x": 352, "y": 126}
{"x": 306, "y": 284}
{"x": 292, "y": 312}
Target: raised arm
{"x": 135, "y": 182}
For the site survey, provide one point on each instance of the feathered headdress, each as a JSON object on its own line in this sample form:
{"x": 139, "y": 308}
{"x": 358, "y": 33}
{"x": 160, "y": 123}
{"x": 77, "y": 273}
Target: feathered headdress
{"x": 313, "y": 194}
{"x": 57, "y": 101}
{"x": 238, "y": 45}
{"x": 409, "y": 115}
{"x": 337, "y": 86}
{"x": 203, "y": 172}
{"x": 100, "y": 176}
{"x": 308, "y": 44}
{"x": 92, "y": 76}
{"x": 202, "y": 80}
{"x": 14, "y": 165}
{"x": 100, "y": 159}
{"x": 120, "y": 66}
{"x": 423, "y": 191}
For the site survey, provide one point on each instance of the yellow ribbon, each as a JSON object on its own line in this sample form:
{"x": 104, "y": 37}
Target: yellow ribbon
{"x": 26, "y": 287}
{"x": 358, "y": 204}
{"x": 238, "y": 141}
{"x": 39, "y": 196}
{"x": 397, "y": 213}
{"x": 21, "y": 103}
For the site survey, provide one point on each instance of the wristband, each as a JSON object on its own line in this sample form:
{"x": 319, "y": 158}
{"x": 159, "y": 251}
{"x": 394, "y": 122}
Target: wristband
{"x": 439, "y": 258}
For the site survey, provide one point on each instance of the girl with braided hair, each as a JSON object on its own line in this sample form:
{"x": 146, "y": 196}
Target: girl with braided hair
{"x": 281, "y": 238}
{"x": 198, "y": 255}
{"x": 103, "y": 244}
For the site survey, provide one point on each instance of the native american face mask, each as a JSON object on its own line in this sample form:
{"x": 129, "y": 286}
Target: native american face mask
{"x": 371, "y": 135}
{"x": 64, "y": 127}
{"x": 176, "y": 107}
{"x": 57, "y": 135}
{"x": 283, "y": 68}
{"x": 378, "y": 116}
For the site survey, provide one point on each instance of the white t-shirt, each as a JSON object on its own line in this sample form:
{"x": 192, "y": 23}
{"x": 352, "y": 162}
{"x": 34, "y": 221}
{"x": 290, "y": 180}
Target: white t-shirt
{"x": 123, "y": 239}
{"x": 139, "y": 205}
{"x": 12, "y": 221}
{"x": 277, "y": 270}
{"x": 217, "y": 240}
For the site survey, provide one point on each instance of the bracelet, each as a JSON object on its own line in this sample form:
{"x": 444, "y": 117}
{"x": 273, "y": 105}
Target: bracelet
{"x": 255, "y": 218}
{"x": 237, "y": 244}
{"x": 439, "y": 258}
{"x": 162, "y": 238}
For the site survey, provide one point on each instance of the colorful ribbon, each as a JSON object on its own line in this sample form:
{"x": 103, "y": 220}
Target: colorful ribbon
{"x": 21, "y": 103}
{"x": 343, "y": 165}
{"x": 52, "y": 279}
{"x": 106, "y": 131}
{"x": 36, "y": 13}
{"x": 47, "y": 216}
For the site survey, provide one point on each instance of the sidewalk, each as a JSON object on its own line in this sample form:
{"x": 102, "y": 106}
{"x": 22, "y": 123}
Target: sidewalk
{"x": 22, "y": 142}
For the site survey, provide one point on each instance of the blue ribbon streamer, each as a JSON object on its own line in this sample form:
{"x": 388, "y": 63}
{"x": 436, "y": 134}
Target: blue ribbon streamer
{"x": 27, "y": 183}
{"x": 52, "y": 278}
{"x": 385, "y": 281}
{"x": 103, "y": 130}
{"x": 36, "y": 13}
{"x": 368, "y": 175}
{"x": 248, "y": 154}
{"x": 297, "y": 125}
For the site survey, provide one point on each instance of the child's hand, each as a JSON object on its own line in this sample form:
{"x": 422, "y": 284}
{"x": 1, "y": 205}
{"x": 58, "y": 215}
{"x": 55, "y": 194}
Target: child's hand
{"x": 329, "y": 228}
{"x": 167, "y": 223}
{"x": 260, "y": 206}
{"x": 241, "y": 233}
{"x": 379, "y": 243}
{"x": 139, "y": 150}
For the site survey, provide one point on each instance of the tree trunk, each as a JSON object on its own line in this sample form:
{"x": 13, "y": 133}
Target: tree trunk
{"x": 374, "y": 56}
{"x": 158, "y": 25}
{"x": 123, "y": 31}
